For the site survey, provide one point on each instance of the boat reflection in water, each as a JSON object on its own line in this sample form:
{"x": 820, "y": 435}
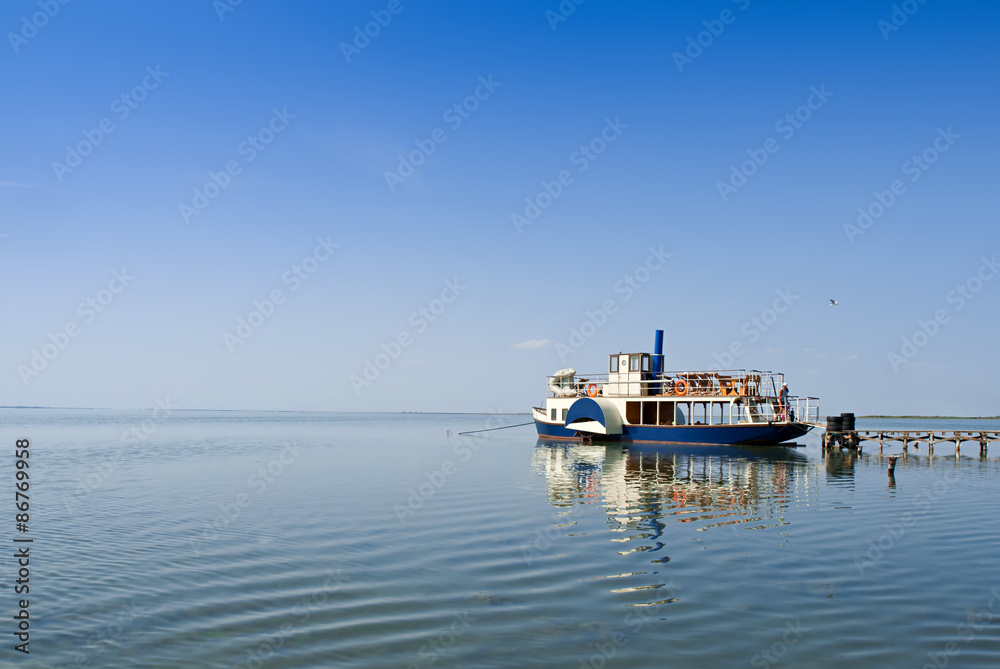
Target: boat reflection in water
{"x": 644, "y": 489}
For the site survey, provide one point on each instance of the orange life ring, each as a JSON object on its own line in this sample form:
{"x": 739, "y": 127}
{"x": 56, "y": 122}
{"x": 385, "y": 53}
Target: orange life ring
{"x": 681, "y": 387}
{"x": 592, "y": 390}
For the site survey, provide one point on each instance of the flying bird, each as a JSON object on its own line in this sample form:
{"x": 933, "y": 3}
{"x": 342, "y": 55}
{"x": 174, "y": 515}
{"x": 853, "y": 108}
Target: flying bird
{"x": 834, "y": 303}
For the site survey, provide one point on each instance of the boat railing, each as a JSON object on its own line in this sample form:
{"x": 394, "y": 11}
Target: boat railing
{"x": 799, "y": 410}
{"x": 754, "y": 392}
{"x": 725, "y": 383}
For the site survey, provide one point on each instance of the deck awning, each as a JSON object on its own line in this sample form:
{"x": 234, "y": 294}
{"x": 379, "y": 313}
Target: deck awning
{"x": 594, "y": 415}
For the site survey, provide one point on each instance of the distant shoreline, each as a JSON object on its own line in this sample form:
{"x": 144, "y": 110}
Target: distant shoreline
{"x": 429, "y": 413}
{"x": 939, "y": 417}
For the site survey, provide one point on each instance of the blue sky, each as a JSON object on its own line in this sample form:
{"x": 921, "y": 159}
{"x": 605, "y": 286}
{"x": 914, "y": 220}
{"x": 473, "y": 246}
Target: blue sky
{"x": 289, "y": 126}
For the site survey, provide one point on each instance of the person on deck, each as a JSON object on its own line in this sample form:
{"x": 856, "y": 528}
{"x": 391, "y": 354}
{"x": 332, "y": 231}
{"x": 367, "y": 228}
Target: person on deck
{"x": 783, "y": 401}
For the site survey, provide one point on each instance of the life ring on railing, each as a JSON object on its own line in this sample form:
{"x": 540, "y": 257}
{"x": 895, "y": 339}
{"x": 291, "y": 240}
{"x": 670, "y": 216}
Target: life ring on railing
{"x": 681, "y": 387}
{"x": 592, "y": 390}
{"x": 668, "y": 387}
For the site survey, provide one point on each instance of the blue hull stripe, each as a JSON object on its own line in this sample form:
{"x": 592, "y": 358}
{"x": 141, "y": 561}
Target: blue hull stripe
{"x": 688, "y": 434}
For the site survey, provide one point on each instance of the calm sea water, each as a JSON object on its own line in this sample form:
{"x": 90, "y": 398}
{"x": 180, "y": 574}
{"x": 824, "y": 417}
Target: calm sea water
{"x": 224, "y": 539}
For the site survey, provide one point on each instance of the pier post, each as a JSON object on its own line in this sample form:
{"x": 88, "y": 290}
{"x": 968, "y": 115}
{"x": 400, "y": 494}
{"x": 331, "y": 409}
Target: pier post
{"x": 958, "y": 444}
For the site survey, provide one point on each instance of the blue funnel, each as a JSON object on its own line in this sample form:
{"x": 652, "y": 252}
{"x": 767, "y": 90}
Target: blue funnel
{"x": 658, "y": 353}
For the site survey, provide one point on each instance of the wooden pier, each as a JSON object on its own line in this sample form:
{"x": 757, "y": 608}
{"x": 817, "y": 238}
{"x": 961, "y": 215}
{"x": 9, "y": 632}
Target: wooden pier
{"x": 853, "y": 439}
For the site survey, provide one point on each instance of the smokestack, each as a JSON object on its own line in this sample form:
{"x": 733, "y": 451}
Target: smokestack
{"x": 658, "y": 352}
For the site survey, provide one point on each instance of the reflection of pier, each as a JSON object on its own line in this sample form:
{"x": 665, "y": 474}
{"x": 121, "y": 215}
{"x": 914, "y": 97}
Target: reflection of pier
{"x": 907, "y": 438}
{"x": 840, "y": 464}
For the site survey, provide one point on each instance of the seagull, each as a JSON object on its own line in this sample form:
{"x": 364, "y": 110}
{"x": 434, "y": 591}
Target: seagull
{"x": 834, "y": 303}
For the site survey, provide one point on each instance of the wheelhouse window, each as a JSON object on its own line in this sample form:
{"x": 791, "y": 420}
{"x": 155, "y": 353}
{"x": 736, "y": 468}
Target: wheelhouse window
{"x": 613, "y": 367}
{"x": 633, "y": 363}
{"x": 645, "y": 363}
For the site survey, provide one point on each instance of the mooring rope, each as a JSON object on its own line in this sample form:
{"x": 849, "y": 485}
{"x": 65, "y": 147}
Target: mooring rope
{"x": 497, "y": 428}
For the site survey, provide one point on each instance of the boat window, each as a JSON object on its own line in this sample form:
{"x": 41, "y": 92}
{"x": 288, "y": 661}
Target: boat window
{"x": 553, "y": 414}
{"x": 633, "y": 363}
{"x": 666, "y": 413}
{"x": 649, "y": 413}
{"x": 645, "y": 363}
{"x": 683, "y": 413}
{"x": 632, "y": 412}
{"x": 613, "y": 367}
{"x": 564, "y": 412}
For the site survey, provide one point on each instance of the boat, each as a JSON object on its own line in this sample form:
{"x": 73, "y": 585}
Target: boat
{"x": 636, "y": 400}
